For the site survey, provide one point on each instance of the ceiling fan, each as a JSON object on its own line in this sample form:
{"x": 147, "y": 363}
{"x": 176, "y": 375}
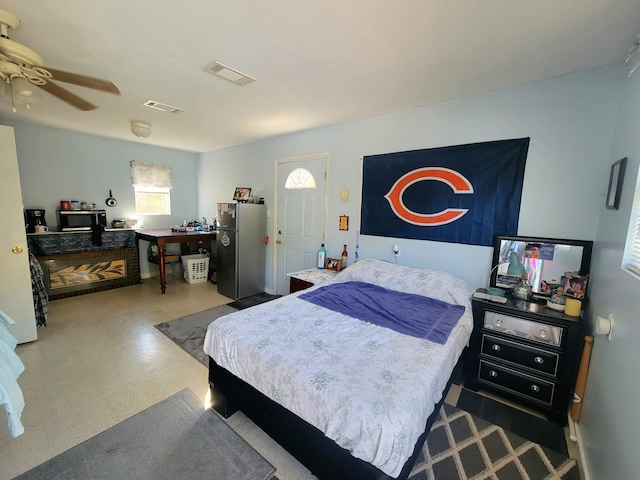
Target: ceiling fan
{"x": 20, "y": 64}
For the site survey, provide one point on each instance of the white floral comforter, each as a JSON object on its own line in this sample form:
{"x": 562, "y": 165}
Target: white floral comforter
{"x": 368, "y": 388}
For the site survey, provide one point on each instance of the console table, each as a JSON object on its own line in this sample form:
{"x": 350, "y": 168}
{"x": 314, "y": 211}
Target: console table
{"x": 75, "y": 263}
{"x": 161, "y": 237}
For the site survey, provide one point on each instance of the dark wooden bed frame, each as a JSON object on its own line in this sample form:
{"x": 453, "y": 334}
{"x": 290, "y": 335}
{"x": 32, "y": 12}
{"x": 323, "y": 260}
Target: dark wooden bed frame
{"x": 321, "y": 455}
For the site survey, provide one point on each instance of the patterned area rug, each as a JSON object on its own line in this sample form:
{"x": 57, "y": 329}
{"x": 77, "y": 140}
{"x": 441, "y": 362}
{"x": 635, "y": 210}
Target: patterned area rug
{"x": 462, "y": 446}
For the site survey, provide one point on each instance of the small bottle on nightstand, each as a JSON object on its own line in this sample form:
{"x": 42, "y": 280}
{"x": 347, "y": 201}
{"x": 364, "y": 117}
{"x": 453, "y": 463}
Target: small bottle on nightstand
{"x": 344, "y": 257}
{"x": 322, "y": 256}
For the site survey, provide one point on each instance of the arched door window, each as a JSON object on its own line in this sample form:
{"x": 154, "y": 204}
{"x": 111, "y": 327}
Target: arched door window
{"x": 299, "y": 179}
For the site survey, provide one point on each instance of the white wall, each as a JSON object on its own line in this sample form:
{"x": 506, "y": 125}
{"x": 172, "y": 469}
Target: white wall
{"x": 610, "y": 422}
{"x": 569, "y": 120}
{"x": 61, "y": 165}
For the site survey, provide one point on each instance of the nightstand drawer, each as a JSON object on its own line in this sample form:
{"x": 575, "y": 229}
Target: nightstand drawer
{"x": 518, "y": 354}
{"x": 521, "y": 327}
{"x": 516, "y": 382}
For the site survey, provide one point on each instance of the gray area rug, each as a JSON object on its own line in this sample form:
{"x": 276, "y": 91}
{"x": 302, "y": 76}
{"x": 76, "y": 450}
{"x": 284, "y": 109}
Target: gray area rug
{"x": 188, "y": 332}
{"x": 462, "y": 446}
{"x": 173, "y": 439}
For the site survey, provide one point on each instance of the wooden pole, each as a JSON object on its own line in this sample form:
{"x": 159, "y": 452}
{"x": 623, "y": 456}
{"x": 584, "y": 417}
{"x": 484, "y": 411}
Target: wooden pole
{"x": 581, "y": 381}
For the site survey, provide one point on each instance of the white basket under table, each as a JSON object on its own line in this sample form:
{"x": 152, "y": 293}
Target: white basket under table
{"x": 196, "y": 267}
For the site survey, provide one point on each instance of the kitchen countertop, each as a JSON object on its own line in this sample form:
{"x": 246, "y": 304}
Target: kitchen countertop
{"x": 59, "y": 243}
{"x": 85, "y": 231}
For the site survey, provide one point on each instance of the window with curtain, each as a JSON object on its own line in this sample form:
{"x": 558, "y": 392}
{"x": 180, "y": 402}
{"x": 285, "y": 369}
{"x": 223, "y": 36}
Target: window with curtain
{"x": 631, "y": 259}
{"x": 152, "y": 185}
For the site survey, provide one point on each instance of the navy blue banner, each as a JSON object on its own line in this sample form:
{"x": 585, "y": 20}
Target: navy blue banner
{"x": 460, "y": 194}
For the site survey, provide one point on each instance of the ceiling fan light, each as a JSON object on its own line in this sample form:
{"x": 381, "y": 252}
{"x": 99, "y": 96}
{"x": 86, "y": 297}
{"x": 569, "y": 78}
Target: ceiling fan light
{"x": 24, "y": 92}
{"x": 140, "y": 129}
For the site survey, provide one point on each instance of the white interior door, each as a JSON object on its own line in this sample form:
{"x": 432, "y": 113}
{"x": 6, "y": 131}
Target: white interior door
{"x": 300, "y": 216}
{"x": 16, "y": 299}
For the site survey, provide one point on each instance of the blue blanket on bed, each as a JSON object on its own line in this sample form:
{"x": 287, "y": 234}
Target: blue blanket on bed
{"x": 406, "y": 313}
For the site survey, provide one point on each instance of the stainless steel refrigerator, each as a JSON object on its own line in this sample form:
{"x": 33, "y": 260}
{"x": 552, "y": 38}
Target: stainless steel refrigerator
{"x": 240, "y": 249}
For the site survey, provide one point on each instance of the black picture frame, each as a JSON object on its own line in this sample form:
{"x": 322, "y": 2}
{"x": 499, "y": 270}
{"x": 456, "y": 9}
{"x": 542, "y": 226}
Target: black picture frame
{"x": 616, "y": 178}
{"x": 242, "y": 194}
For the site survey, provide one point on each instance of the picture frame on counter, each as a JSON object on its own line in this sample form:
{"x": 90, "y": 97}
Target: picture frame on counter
{"x": 333, "y": 264}
{"x": 242, "y": 194}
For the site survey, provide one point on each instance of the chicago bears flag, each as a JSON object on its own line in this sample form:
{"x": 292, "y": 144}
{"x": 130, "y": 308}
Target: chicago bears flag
{"x": 460, "y": 194}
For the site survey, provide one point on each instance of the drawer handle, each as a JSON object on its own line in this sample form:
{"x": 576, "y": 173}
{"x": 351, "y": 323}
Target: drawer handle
{"x": 495, "y": 348}
{"x": 539, "y": 360}
{"x": 543, "y": 333}
{"x": 498, "y": 322}
{"x": 493, "y": 373}
{"x": 535, "y": 388}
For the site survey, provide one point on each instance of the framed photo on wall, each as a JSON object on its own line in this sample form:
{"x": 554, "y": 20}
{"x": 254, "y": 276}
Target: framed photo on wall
{"x": 616, "y": 178}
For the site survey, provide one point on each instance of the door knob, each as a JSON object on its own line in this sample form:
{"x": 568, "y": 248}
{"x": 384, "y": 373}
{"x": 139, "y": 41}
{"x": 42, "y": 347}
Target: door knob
{"x": 278, "y": 242}
{"x": 17, "y": 249}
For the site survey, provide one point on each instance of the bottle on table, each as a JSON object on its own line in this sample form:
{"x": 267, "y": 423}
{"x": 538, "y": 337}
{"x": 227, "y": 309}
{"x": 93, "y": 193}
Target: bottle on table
{"x": 345, "y": 255}
{"x": 322, "y": 256}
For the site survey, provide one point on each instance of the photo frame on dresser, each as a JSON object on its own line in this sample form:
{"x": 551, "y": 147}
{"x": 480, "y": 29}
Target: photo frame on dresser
{"x": 333, "y": 264}
{"x": 616, "y": 179}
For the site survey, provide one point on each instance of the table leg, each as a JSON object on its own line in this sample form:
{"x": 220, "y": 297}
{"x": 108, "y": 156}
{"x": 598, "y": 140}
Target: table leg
{"x": 161, "y": 252}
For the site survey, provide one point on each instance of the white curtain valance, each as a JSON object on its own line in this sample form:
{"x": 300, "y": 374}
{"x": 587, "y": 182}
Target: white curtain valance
{"x": 156, "y": 176}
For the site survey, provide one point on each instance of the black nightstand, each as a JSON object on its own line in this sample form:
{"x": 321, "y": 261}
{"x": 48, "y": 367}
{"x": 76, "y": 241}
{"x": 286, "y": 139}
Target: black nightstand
{"x": 525, "y": 352}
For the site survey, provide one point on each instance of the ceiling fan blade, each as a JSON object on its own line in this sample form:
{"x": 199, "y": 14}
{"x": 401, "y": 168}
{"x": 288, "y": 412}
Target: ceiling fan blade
{"x": 83, "y": 80}
{"x": 67, "y": 96}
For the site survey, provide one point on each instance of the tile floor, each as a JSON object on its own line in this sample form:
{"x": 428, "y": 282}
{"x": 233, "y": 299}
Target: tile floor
{"x": 100, "y": 360}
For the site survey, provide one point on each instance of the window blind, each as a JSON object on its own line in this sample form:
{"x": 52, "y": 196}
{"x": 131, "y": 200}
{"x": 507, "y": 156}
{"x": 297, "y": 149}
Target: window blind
{"x": 151, "y": 176}
{"x": 631, "y": 260}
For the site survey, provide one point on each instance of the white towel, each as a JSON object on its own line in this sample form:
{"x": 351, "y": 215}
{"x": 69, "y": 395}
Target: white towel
{"x": 10, "y": 393}
{"x": 6, "y": 337}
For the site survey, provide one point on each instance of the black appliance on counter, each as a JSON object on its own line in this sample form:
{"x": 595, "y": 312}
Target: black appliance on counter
{"x": 33, "y": 217}
{"x": 81, "y": 220}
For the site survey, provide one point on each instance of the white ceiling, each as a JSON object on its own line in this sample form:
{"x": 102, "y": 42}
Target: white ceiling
{"x": 316, "y": 62}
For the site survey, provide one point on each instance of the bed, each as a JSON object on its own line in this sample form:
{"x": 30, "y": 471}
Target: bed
{"x": 348, "y": 397}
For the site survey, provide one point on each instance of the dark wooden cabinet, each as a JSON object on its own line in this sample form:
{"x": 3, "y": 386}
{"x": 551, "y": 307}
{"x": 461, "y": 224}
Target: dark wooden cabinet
{"x": 308, "y": 278}
{"x": 297, "y": 284}
{"x": 525, "y": 352}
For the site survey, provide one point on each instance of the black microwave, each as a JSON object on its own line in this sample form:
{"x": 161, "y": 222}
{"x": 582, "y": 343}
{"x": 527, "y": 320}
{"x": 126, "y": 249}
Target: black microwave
{"x": 80, "y": 220}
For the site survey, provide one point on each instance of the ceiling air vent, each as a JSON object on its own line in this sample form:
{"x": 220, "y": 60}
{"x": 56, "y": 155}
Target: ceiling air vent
{"x": 228, "y": 73}
{"x": 163, "y": 107}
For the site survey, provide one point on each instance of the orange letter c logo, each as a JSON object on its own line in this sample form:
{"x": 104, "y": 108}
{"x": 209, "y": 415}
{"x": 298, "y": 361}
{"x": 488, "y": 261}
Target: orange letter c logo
{"x": 457, "y": 182}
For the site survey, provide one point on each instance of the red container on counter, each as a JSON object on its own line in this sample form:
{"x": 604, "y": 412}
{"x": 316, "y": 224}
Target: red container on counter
{"x": 65, "y": 205}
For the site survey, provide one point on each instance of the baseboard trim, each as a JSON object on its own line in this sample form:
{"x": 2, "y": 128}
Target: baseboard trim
{"x": 583, "y": 459}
